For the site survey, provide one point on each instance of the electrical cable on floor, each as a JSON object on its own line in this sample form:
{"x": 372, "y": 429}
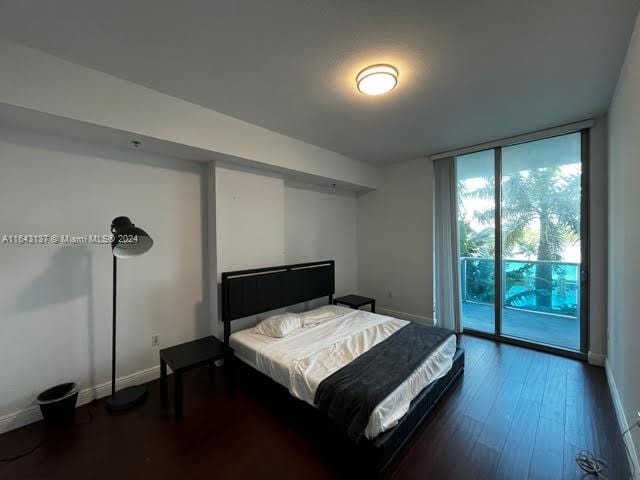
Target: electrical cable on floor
{"x": 593, "y": 465}
{"x": 22, "y": 455}
{"x": 7, "y": 460}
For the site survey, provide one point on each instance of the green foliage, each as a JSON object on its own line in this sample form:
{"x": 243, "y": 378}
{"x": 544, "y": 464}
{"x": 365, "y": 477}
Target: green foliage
{"x": 480, "y": 280}
{"x": 475, "y": 244}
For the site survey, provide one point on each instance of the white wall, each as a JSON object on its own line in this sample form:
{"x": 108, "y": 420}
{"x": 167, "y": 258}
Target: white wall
{"x": 249, "y": 218}
{"x": 395, "y": 241}
{"x": 321, "y": 224}
{"x": 623, "y": 353}
{"x": 264, "y": 220}
{"x": 55, "y": 300}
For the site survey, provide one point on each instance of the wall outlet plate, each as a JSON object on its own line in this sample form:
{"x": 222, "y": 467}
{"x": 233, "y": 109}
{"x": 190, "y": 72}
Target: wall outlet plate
{"x": 155, "y": 340}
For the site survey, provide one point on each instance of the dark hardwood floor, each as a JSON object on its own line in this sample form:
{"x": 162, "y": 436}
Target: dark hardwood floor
{"x": 516, "y": 414}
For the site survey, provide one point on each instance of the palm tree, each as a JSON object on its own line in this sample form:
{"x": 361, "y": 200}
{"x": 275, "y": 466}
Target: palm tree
{"x": 547, "y": 197}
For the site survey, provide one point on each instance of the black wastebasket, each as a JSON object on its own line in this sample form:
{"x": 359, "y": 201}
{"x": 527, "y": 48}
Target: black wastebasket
{"x": 58, "y": 404}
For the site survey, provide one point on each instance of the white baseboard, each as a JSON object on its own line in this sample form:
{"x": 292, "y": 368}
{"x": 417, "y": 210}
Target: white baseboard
{"x": 622, "y": 419}
{"x": 32, "y": 413}
{"x": 403, "y": 315}
{"x": 597, "y": 359}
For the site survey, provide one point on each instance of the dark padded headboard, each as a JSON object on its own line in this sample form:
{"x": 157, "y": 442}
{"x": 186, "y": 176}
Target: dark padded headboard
{"x": 249, "y": 292}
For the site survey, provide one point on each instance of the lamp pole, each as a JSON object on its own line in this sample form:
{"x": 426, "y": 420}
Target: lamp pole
{"x": 113, "y": 332}
{"x": 128, "y": 241}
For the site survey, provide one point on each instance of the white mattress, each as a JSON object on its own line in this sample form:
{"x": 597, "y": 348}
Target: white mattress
{"x": 307, "y": 356}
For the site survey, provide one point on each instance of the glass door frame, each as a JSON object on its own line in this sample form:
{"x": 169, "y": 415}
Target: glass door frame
{"x": 584, "y": 254}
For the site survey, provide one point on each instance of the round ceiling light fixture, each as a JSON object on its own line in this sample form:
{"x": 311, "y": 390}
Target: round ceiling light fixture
{"x": 377, "y": 79}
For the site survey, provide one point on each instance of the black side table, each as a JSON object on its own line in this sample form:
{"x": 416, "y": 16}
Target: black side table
{"x": 356, "y": 301}
{"x": 184, "y": 357}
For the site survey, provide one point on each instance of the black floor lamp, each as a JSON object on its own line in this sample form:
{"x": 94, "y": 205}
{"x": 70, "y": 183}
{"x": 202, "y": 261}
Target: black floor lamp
{"x": 128, "y": 241}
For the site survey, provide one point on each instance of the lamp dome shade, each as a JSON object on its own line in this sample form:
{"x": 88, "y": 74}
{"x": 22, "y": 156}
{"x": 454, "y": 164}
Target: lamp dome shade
{"x": 129, "y": 240}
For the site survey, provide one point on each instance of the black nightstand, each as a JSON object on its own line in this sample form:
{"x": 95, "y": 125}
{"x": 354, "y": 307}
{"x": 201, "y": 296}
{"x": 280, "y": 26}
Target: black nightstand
{"x": 356, "y": 301}
{"x": 184, "y": 357}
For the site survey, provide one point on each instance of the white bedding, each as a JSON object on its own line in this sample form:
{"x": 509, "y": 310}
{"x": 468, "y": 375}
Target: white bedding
{"x": 301, "y": 360}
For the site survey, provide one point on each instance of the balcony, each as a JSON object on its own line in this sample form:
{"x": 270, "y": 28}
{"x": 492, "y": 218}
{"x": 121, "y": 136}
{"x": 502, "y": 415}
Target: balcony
{"x": 534, "y": 309}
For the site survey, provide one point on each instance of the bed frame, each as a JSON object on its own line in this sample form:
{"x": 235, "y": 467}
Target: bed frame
{"x": 250, "y": 292}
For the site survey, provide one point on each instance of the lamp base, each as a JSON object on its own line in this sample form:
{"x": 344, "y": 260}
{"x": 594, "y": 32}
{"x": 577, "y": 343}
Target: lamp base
{"x": 127, "y": 398}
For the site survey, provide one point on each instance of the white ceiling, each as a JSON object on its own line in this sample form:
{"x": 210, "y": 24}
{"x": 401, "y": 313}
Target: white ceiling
{"x": 470, "y": 71}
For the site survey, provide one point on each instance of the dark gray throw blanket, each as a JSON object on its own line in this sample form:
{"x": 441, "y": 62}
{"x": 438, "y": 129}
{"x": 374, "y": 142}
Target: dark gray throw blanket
{"x": 350, "y": 395}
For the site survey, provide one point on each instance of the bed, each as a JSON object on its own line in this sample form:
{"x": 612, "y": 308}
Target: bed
{"x": 306, "y": 361}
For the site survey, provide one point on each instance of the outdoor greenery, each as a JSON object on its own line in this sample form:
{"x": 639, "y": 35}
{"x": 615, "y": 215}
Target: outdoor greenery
{"x": 540, "y": 215}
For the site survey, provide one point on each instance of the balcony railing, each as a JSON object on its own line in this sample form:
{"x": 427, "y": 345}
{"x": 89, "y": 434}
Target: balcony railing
{"x": 535, "y": 285}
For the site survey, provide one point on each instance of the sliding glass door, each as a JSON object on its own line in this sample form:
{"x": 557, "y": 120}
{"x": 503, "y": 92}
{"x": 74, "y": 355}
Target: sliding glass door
{"x": 531, "y": 221}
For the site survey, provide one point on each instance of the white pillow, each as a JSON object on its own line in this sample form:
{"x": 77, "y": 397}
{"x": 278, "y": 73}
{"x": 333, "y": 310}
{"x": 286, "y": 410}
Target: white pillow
{"x": 279, "y": 326}
{"x": 319, "y": 315}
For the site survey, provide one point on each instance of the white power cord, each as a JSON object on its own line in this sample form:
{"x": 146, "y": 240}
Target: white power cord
{"x": 593, "y": 465}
